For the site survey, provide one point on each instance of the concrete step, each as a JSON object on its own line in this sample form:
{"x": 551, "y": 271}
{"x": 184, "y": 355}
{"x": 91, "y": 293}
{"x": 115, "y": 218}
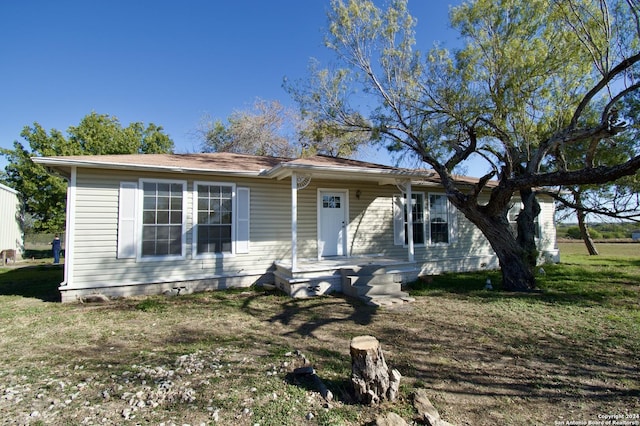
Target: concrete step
{"x": 376, "y": 290}
{"x": 389, "y": 300}
{"x": 373, "y": 280}
{"x": 378, "y": 269}
{"x": 376, "y": 285}
{"x": 360, "y": 286}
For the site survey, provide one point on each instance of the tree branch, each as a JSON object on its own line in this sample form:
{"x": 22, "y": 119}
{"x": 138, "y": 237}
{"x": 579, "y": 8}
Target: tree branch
{"x": 604, "y": 81}
{"x": 633, "y": 215}
{"x": 607, "y": 109}
{"x": 462, "y": 154}
{"x": 595, "y": 175}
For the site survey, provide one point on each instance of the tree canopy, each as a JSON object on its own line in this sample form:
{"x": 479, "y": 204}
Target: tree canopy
{"x": 269, "y": 128}
{"x": 259, "y": 131}
{"x": 616, "y": 200}
{"x": 43, "y": 194}
{"x": 532, "y": 81}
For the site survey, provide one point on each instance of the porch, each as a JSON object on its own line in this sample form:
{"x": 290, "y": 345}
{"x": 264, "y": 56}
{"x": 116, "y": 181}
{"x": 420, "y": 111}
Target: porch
{"x": 313, "y": 277}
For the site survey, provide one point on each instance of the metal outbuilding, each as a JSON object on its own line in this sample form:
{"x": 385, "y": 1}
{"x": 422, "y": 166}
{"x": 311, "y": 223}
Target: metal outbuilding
{"x": 11, "y": 234}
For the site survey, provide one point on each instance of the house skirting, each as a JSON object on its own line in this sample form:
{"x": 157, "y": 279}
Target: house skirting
{"x": 309, "y": 278}
{"x": 487, "y": 262}
{"x": 70, "y": 294}
{"x": 461, "y": 264}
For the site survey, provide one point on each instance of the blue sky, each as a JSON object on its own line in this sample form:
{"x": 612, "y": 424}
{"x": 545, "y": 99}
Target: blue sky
{"x": 163, "y": 62}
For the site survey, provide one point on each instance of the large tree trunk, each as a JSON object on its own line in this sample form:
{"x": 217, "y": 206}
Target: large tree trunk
{"x": 515, "y": 262}
{"x": 517, "y": 274}
{"x": 527, "y": 226}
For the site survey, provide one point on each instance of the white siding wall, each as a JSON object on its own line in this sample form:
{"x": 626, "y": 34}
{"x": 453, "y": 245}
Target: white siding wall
{"x": 371, "y": 229}
{"x": 11, "y": 236}
{"x": 96, "y": 263}
{"x": 370, "y": 232}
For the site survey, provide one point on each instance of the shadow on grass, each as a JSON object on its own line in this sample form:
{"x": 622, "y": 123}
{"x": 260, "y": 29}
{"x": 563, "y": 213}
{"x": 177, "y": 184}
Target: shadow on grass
{"x": 553, "y": 368}
{"x": 39, "y": 282}
{"x": 341, "y": 389}
{"x": 306, "y": 316}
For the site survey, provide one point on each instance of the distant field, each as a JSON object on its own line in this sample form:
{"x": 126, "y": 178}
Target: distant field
{"x": 605, "y": 249}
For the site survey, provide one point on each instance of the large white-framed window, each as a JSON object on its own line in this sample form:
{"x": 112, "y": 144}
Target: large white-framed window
{"x": 163, "y": 221}
{"x": 417, "y": 212}
{"x": 439, "y": 219}
{"x": 152, "y": 219}
{"x": 220, "y": 219}
{"x": 214, "y": 209}
{"x": 434, "y": 219}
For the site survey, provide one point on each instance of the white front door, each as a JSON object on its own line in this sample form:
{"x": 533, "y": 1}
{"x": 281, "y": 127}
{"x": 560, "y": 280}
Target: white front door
{"x": 332, "y": 223}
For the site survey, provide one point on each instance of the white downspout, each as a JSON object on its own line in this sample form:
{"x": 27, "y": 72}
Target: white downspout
{"x": 410, "y": 221}
{"x": 294, "y": 222}
{"x": 69, "y": 240}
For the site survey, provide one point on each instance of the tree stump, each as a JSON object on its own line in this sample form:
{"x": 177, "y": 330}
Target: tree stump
{"x": 370, "y": 375}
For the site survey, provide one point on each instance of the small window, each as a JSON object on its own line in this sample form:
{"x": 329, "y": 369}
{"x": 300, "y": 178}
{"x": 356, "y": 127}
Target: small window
{"x": 221, "y": 214}
{"x": 214, "y": 218}
{"x": 331, "y": 201}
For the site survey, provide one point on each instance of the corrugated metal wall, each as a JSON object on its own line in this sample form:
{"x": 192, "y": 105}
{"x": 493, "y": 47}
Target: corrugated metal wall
{"x": 11, "y": 236}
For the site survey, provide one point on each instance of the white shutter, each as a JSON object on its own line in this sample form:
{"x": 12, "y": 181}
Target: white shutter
{"x": 127, "y": 220}
{"x": 453, "y": 222}
{"x": 242, "y": 218}
{"x": 398, "y": 220}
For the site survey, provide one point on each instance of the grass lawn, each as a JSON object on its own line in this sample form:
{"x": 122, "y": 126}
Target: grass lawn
{"x": 569, "y": 353}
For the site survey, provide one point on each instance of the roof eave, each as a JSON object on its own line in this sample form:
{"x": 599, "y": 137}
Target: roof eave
{"x": 383, "y": 176}
{"x": 9, "y": 189}
{"x": 64, "y": 165}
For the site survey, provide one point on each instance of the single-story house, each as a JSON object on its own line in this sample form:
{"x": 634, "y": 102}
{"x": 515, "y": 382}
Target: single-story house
{"x": 147, "y": 224}
{"x": 11, "y": 233}
{"x": 635, "y": 235}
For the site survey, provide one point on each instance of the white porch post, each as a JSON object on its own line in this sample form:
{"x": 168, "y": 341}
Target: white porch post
{"x": 294, "y": 222}
{"x": 410, "y": 221}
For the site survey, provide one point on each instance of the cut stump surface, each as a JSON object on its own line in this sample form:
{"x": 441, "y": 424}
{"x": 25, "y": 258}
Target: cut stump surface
{"x": 370, "y": 375}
